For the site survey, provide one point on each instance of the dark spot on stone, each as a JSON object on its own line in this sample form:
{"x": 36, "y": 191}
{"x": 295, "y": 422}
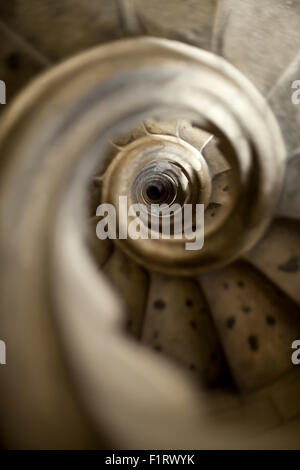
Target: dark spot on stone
{"x": 225, "y": 285}
{"x": 192, "y": 367}
{"x": 241, "y": 284}
{"x": 291, "y": 266}
{"x": 159, "y": 304}
{"x": 193, "y": 324}
{"x": 230, "y": 322}
{"x": 226, "y": 188}
{"x": 270, "y": 320}
{"x": 97, "y": 183}
{"x": 214, "y": 206}
{"x": 189, "y": 303}
{"x": 212, "y": 214}
{"x": 253, "y": 342}
{"x": 158, "y": 348}
{"x": 13, "y": 61}
{"x": 246, "y": 308}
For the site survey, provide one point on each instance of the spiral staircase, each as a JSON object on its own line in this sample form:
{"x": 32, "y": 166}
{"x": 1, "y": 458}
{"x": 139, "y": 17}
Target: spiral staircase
{"x": 141, "y": 343}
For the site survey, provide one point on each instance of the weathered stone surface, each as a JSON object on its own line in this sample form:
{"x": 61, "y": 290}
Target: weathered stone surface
{"x": 61, "y": 28}
{"x": 256, "y": 324}
{"x": 259, "y": 38}
{"x": 277, "y": 255}
{"x": 131, "y": 282}
{"x": 178, "y": 324}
